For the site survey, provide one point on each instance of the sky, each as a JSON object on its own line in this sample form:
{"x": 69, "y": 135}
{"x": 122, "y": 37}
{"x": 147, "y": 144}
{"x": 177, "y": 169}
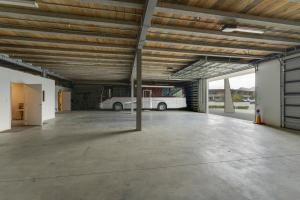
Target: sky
{"x": 246, "y": 81}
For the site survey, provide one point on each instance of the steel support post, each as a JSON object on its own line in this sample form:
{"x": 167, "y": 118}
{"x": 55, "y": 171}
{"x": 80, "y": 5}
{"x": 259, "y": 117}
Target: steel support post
{"x": 139, "y": 91}
{"x": 132, "y": 93}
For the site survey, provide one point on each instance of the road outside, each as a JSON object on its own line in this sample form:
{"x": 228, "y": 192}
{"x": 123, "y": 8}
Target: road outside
{"x": 246, "y": 114}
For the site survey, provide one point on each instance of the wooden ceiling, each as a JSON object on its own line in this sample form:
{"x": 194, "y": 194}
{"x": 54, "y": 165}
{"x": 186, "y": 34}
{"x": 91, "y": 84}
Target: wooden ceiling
{"x": 97, "y": 39}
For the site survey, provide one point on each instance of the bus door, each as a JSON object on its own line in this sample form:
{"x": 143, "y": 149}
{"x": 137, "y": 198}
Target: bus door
{"x": 147, "y": 99}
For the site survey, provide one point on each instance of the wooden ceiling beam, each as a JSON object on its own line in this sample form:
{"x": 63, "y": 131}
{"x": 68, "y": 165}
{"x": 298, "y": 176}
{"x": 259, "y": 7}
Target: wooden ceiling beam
{"x": 30, "y": 60}
{"x": 85, "y": 65}
{"x": 167, "y": 57}
{"x": 161, "y": 62}
{"x": 48, "y": 51}
{"x": 59, "y": 58}
{"x": 66, "y": 51}
{"x": 64, "y": 33}
{"x": 224, "y": 16}
{"x": 236, "y": 36}
{"x": 212, "y": 45}
{"x": 116, "y": 3}
{"x": 67, "y": 58}
{"x": 99, "y": 61}
{"x": 55, "y": 17}
{"x": 32, "y": 41}
{"x": 201, "y": 53}
{"x": 96, "y": 70}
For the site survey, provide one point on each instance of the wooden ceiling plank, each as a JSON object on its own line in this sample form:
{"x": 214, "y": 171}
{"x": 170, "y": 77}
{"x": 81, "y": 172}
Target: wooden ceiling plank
{"x": 89, "y": 65}
{"x": 201, "y": 53}
{"x": 162, "y": 62}
{"x": 227, "y": 16}
{"x": 63, "y": 33}
{"x": 37, "y": 15}
{"x": 81, "y": 52}
{"x": 32, "y": 60}
{"x": 100, "y": 61}
{"x": 236, "y": 36}
{"x": 63, "y": 42}
{"x": 66, "y": 57}
{"x": 54, "y": 57}
{"x": 168, "y": 57}
{"x": 212, "y": 45}
{"x": 116, "y": 3}
{"x": 159, "y": 59}
{"x": 61, "y": 57}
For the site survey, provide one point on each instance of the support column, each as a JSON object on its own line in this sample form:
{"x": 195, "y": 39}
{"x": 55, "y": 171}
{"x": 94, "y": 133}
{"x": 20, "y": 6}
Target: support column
{"x": 228, "y": 103}
{"x": 202, "y": 95}
{"x": 132, "y": 93}
{"x": 139, "y": 91}
{"x": 44, "y": 72}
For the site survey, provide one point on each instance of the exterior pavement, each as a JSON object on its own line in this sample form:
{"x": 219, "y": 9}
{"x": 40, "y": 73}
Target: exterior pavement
{"x": 239, "y": 114}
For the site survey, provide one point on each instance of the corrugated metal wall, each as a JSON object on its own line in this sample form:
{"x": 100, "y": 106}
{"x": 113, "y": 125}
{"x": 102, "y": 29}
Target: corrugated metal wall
{"x": 291, "y": 112}
{"x": 192, "y": 96}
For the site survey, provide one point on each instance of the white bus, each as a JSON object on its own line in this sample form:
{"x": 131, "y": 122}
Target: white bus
{"x": 154, "y": 97}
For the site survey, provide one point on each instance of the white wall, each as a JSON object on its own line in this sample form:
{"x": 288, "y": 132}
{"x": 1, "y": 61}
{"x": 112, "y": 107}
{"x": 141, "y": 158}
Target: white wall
{"x": 268, "y": 92}
{"x": 48, "y": 106}
{"x": 7, "y": 76}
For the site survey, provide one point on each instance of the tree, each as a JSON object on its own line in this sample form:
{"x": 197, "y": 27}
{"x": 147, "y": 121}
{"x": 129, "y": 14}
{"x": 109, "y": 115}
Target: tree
{"x": 237, "y": 98}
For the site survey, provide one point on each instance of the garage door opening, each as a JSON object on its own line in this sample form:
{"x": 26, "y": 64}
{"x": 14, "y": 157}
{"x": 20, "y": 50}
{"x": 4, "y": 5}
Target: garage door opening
{"x": 26, "y": 104}
{"x": 154, "y": 97}
{"x": 233, "y": 97}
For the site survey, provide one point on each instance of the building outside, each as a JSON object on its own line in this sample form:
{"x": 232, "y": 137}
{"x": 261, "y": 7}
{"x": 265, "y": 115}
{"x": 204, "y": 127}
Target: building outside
{"x": 238, "y": 95}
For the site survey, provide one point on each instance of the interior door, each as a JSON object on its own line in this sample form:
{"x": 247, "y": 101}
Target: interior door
{"x": 66, "y": 105}
{"x": 60, "y": 101}
{"x": 147, "y": 99}
{"x": 33, "y": 104}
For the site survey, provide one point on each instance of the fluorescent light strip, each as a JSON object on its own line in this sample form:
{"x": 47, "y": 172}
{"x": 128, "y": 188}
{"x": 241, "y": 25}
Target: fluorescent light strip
{"x": 242, "y": 29}
{"x": 23, "y": 3}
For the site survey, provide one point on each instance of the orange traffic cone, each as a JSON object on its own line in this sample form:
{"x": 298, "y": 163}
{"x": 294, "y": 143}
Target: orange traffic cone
{"x": 258, "y": 119}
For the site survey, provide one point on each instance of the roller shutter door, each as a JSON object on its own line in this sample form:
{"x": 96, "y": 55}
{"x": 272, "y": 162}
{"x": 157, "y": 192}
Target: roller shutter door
{"x": 192, "y": 96}
{"x": 291, "y": 114}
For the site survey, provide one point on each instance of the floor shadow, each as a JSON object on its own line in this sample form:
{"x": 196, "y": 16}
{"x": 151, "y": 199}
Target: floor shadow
{"x": 62, "y": 141}
{"x": 16, "y": 129}
{"x": 72, "y": 139}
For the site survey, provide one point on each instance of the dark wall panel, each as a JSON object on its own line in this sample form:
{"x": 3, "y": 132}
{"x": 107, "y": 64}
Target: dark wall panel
{"x": 88, "y": 97}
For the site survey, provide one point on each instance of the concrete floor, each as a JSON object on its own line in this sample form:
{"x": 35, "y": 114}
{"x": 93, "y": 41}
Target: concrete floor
{"x": 179, "y": 155}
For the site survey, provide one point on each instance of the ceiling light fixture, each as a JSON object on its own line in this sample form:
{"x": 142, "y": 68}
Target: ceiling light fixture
{"x": 23, "y": 3}
{"x": 230, "y": 29}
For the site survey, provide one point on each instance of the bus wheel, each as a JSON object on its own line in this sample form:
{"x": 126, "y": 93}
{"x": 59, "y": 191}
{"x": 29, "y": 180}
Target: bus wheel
{"x": 117, "y": 106}
{"x": 162, "y": 106}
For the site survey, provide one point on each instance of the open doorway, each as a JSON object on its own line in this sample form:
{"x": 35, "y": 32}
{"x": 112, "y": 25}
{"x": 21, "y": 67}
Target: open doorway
{"x": 64, "y": 101}
{"x": 26, "y": 104}
{"x": 17, "y": 104}
{"x": 233, "y": 97}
